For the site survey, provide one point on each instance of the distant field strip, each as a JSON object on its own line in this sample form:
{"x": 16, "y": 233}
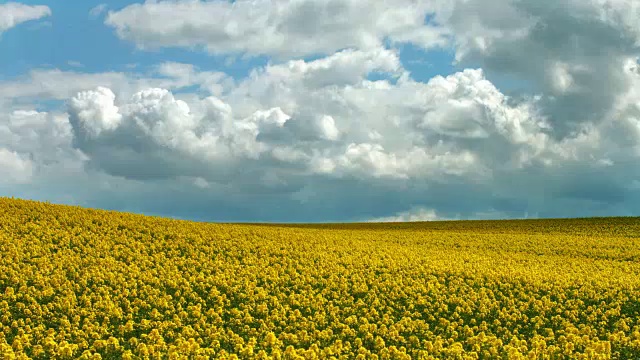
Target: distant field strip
{"x": 91, "y": 284}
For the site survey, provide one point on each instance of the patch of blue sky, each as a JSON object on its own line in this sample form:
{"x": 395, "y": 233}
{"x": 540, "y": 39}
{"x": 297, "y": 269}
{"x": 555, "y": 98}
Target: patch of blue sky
{"x": 425, "y": 64}
{"x": 511, "y": 85}
{"x": 74, "y": 40}
{"x": 39, "y": 104}
{"x": 70, "y": 34}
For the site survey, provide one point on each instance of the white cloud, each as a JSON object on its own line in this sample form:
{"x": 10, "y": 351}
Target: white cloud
{"x": 279, "y": 28}
{"x": 319, "y": 130}
{"x": 35, "y": 150}
{"x": 201, "y": 183}
{"x": 16, "y": 168}
{"x": 327, "y": 128}
{"x": 413, "y": 215}
{"x": 61, "y": 85}
{"x": 95, "y": 111}
{"x": 571, "y": 51}
{"x": 13, "y": 14}
{"x": 429, "y": 163}
{"x": 55, "y": 84}
{"x": 98, "y": 10}
{"x": 43, "y": 137}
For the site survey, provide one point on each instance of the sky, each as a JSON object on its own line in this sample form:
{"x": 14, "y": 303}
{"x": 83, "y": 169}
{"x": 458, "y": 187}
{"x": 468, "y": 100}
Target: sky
{"x": 323, "y": 110}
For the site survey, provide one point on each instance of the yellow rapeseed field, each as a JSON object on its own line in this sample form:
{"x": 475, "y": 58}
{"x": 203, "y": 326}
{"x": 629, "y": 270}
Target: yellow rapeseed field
{"x": 90, "y": 284}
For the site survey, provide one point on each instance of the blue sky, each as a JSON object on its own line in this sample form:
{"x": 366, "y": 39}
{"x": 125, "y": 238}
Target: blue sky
{"x": 74, "y": 39}
{"x": 309, "y": 110}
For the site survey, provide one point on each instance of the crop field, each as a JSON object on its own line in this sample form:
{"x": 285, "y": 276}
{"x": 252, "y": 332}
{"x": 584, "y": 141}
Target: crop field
{"x": 91, "y": 284}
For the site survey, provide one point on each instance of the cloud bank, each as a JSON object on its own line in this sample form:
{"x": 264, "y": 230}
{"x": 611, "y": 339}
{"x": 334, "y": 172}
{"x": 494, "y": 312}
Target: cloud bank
{"x": 278, "y": 28}
{"x": 335, "y": 127}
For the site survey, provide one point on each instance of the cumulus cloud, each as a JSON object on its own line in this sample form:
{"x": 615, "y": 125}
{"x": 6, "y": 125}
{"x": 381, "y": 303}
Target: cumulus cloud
{"x": 572, "y": 51}
{"x": 326, "y": 126}
{"x": 95, "y": 112}
{"x": 302, "y": 137}
{"x": 13, "y": 14}
{"x": 285, "y": 127}
{"x": 42, "y": 135}
{"x": 278, "y": 28}
{"x": 33, "y": 142}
